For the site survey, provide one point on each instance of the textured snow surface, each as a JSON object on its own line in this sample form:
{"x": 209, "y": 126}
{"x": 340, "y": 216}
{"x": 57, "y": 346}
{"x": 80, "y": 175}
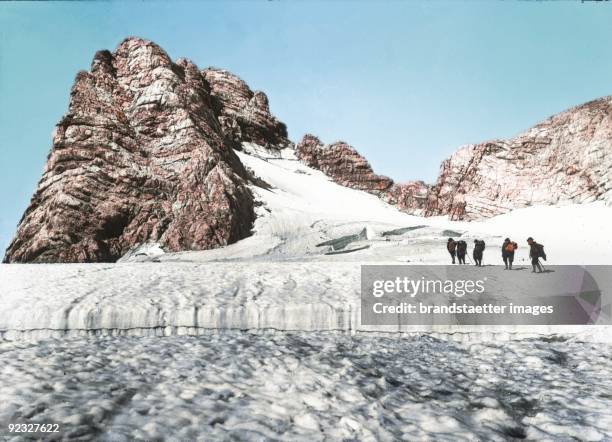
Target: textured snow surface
{"x": 39, "y": 301}
{"x": 282, "y": 277}
{"x": 302, "y": 208}
{"x": 309, "y": 387}
{"x": 123, "y": 369}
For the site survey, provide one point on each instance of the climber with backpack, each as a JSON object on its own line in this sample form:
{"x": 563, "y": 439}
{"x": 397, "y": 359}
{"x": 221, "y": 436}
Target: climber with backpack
{"x": 508, "y": 248}
{"x": 536, "y": 251}
{"x": 479, "y": 246}
{"x": 461, "y": 251}
{"x": 451, "y": 246}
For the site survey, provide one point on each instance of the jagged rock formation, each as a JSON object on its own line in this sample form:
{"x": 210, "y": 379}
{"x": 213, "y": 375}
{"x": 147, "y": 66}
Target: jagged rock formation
{"x": 140, "y": 156}
{"x": 146, "y": 154}
{"x": 244, "y": 115}
{"x": 343, "y": 164}
{"x": 411, "y": 196}
{"x": 565, "y": 159}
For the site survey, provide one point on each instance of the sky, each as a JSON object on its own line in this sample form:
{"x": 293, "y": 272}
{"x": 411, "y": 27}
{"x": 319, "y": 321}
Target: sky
{"x": 405, "y": 83}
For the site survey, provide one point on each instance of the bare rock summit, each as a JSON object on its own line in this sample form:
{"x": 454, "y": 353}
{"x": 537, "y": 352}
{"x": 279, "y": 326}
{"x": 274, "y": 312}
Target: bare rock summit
{"x": 244, "y": 115}
{"x": 139, "y": 157}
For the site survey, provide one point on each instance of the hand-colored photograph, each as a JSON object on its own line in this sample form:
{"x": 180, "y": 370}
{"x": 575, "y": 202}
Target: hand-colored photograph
{"x": 306, "y": 220}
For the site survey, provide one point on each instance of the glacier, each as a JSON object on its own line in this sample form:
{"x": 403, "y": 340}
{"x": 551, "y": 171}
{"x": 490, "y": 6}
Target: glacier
{"x": 282, "y": 277}
{"x": 314, "y": 386}
{"x": 262, "y": 339}
{"x": 184, "y": 298}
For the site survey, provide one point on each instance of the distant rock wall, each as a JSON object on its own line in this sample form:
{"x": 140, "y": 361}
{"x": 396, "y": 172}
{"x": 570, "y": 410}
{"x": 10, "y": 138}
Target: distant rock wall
{"x": 342, "y": 163}
{"x": 345, "y": 166}
{"x": 565, "y": 159}
{"x": 140, "y": 156}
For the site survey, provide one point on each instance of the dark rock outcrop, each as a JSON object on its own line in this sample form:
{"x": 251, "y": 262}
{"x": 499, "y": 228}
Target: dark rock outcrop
{"x": 410, "y": 197}
{"x": 343, "y": 164}
{"x": 244, "y": 115}
{"x": 140, "y": 156}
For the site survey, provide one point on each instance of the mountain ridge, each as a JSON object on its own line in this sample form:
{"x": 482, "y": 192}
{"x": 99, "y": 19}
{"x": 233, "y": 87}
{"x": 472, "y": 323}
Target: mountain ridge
{"x": 146, "y": 153}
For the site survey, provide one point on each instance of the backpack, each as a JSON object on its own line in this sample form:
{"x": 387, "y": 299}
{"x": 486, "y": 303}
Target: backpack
{"x": 511, "y": 247}
{"x": 451, "y": 246}
{"x": 541, "y": 252}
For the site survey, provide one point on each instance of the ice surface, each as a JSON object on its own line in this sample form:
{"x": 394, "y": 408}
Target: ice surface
{"x": 280, "y": 352}
{"x": 309, "y": 387}
{"x": 143, "y": 252}
{"x": 170, "y": 298}
{"x": 280, "y": 277}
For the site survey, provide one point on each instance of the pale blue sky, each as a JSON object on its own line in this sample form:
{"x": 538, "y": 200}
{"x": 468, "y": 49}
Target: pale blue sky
{"x": 404, "y": 82}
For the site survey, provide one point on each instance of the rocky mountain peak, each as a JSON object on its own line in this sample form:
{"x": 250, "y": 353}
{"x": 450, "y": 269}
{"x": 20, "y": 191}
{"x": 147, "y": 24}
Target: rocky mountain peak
{"x": 146, "y": 153}
{"x": 244, "y": 115}
{"x": 140, "y": 156}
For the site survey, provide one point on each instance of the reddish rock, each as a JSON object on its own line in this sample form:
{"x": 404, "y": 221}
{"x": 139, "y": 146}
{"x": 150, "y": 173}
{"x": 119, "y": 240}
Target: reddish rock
{"x": 343, "y": 164}
{"x": 140, "y": 156}
{"x": 565, "y": 159}
{"x": 410, "y": 197}
{"x": 244, "y": 115}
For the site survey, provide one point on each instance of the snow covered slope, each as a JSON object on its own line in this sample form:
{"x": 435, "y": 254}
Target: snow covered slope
{"x": 303, "y": 208}
{"x": 188, "y": 298}
{"x": 298, "y": 271}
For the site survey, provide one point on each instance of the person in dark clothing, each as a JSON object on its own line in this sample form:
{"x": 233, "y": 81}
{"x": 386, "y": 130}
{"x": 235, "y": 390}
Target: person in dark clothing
{"x": 451, "y": 246}
{"x": 508, "y": 248}
{"x": 479, "y": 246}
{"x": 461, "y": 251}
{"x": 536, "y": 251}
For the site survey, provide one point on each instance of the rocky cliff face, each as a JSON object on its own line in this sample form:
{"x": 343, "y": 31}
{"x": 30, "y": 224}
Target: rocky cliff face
{"x": 565, "y": 159}
{"x": 244, "y": 115}
{"x": 145, "y": 154}
{"x": 343, "y": 164}
{"x": 411, "y": 197}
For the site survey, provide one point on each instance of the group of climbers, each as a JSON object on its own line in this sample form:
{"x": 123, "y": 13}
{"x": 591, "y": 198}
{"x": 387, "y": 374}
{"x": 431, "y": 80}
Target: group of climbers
{"x": 458, "y": 249}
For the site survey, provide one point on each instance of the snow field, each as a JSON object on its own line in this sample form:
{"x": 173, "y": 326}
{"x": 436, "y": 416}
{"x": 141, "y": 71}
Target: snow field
{"x": 309, "y": 387}
{"x": 171, "y": 298}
